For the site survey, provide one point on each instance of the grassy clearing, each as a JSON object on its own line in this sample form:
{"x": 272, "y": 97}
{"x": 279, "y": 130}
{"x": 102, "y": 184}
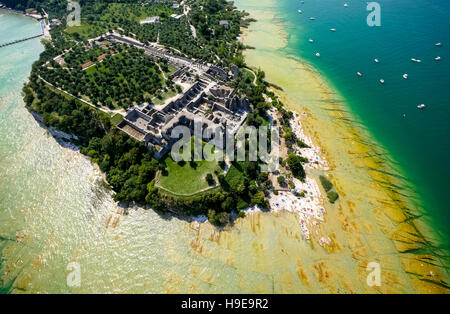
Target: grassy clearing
{"x": 164, "y": 96}
{"x": 186, "y": 178}
{"x": 116, "y": 119}
{"x": 83, "y": 30}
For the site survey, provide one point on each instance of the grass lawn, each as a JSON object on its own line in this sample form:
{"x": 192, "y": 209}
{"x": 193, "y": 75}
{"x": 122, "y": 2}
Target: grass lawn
{"x": 82, "y": 29}
{"x": 164, "y": 96}
{"x": 116, "y": 119}
{"x": 186, "y": 178}
{"x": 172, "y": 70}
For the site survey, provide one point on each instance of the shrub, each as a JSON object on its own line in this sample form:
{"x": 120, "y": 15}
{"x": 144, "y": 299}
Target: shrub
{"x": 332, "y": 196}
{"x": 210, "y": 179}
{"x": 295, "y": 164}
{"x": 263, "y": 176}
{"x": 327, "y": 185}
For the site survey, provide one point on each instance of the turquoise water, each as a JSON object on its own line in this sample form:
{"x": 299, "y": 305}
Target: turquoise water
{"x": 419, "y": 141}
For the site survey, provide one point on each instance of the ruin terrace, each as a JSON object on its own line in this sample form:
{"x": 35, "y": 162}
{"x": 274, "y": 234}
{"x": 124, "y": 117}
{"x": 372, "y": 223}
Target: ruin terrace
{"x": 205, "y": 98}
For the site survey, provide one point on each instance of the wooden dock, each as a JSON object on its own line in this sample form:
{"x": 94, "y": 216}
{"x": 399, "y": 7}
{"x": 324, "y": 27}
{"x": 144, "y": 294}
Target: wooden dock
{"x": 19, "y": 40}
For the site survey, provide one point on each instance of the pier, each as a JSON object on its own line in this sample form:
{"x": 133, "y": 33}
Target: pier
{"x": 19, "y": 40}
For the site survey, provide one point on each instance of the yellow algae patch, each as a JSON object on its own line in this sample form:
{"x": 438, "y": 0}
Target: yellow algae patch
{"x": 393, "y": 212}
{"x": 196, "y": 245}
{"x": 173, "y": 284}
{"x": 21, "y": 236}
{"x": 301, "y": 274}
{"x": 427, "y": 279}
{"x": 359, "y": 253}
{"x": 202, "y": 274}
{"x": 355, "y": 242}
{"x": 322, "y": 273}
{"x": 405, "y": 237}
{"x": 255, "y": 222}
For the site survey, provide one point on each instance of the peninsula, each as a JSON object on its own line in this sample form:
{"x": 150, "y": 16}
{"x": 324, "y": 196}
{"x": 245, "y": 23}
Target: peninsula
{"x": 119, "y": 87}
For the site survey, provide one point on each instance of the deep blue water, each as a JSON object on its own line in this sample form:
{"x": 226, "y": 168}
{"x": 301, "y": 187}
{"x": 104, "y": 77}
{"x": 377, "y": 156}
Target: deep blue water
{"x": 419, "y": 141}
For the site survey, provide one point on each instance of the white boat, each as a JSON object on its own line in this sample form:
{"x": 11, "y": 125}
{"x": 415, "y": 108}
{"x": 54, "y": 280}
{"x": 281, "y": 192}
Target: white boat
{"x": 359, "y": 74}
{"x": 345, "y": 4}
{"x": 421, "y": 106}
{"x": 438, "y": 44}
{"x": 437, "y": 58}
{"x": 310, "y": 40}
{"x": 312, "y": 18}
{"x": 416, "y": 60}
{"x": 317, "y": 55}
{"x": 332, "y": 29}
{"x": 405, "y": 76}
{"x": 382, "y": 81}
{"x": 300, "y": 11}
{"x": 376, "y": 60}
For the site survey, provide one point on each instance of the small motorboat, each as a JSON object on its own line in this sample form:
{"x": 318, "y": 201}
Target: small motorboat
{"x": 310, "y": 40}
{"x": 382, "y": 81}
{"x": 421, "y": 106}
{"x": 300, "y": 11}
{"x": 346, "y": 5}
{"x": 438, "y": 44}
{"x": 376, "y": 60}
{"x": 332, "y": 29}
{"x": 312, "y": 18}
{"x": 317, "y": 55}
{"x": 416, "y": 60}
{"x": 405, "y": 76}
{"x": 437, "y": 58}
{"x": 359, "y": 74}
